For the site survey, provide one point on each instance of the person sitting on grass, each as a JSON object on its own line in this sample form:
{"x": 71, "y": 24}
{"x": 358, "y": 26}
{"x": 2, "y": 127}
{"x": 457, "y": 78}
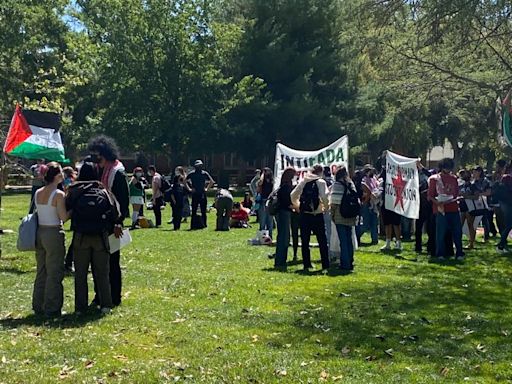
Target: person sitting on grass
{"x": 247, "y": 202}
{"x": 239, "y": 217}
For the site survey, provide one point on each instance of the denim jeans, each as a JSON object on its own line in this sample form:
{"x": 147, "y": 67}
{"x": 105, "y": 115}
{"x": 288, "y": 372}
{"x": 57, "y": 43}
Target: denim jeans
{"x": 283, "y": 237}
{"x": 507, "y": 213}
{"x": 449, "y": 222}
{"x": 370, "y": 222}
{"x": 266, "y": 220}
{"x": 346, "y": 245}
{"x": 406, "y": 225}
{"x": 328, "y": 226}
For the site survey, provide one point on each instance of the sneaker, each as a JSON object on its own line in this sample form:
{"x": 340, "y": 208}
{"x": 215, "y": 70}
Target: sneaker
{"x": 105, "y": 310}
{"x": 398, "y": 246}
{"x": 501, "y": 250}
{"x": 386, "y": 247}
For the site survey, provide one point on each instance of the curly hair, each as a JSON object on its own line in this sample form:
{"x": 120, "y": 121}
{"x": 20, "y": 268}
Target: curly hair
{"x": 105, "y": 146}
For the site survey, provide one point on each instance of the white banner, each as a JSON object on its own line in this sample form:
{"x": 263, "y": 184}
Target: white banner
{"x": 333, "y": 155}
{"x": 402, "y": 189}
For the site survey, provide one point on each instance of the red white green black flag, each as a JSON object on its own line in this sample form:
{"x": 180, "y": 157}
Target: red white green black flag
{"x": 505, "y": 119}
{"x": 35, "y": 135}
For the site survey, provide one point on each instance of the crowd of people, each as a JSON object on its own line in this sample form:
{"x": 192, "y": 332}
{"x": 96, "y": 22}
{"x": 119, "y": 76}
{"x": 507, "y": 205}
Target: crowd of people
{"x": 326, "y": 202}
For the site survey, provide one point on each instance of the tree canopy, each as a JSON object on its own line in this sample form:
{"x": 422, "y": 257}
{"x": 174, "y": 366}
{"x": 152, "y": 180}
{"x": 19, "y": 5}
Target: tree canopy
{"x": 186, "y": 77}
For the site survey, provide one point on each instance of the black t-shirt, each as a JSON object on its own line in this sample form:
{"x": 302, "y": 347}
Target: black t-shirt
{"x": 198, "y": 179}
{"x": 283, "y": 196}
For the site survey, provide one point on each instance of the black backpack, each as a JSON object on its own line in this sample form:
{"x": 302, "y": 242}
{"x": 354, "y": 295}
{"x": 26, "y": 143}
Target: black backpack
{"x": 350, "y": 206}
{"x": 309, "y": 198}
{"x": 272, "y": 203}
{"x": 94, "y": 210}
{"x": 165, "y": 185}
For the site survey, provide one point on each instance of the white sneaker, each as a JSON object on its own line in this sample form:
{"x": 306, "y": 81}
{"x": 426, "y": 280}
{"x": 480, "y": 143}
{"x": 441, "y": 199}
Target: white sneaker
{"x": 105, "y": 311}
{"x": 398, "y": 246}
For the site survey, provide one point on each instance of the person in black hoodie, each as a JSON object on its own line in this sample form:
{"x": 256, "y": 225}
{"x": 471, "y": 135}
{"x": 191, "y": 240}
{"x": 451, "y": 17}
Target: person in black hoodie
{"x": 283, "y": 218}
{"x": 94, "y": 212}
{"x": 111, "y": 172}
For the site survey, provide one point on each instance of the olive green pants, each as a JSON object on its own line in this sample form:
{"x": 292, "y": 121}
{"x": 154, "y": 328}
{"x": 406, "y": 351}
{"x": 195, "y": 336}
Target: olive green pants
{"x": 48, "y": 293}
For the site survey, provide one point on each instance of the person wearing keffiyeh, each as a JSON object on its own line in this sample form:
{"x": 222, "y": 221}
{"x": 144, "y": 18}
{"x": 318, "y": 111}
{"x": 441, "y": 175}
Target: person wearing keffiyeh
{"x": 104, "y": 152}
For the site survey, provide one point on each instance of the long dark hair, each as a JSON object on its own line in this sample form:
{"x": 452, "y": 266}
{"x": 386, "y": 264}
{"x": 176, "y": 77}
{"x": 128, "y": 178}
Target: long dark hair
{"x": 287, "y": 176}
{"x": 53, "y": 169}
{"x": 342, "y": 175}
{"x": 267, "y": 176}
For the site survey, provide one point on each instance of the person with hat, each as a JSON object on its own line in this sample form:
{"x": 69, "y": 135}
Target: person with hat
{"x": 200, "y": 182}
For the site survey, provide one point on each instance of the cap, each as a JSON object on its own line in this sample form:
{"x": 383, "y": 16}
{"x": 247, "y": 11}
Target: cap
{"x": 198, "y": 163}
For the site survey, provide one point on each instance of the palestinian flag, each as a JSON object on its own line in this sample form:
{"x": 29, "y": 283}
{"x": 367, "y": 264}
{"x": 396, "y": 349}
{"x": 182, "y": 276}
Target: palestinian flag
{"x": 35, "y": 135}
{"x": 505, "y": 119}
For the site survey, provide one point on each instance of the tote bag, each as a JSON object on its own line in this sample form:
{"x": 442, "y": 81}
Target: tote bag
{"x": 27, "y": 233}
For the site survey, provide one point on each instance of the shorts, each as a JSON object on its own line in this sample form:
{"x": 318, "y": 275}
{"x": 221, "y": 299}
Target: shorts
{"x": 390, "y": 217}
{"x": 139, "y": 200}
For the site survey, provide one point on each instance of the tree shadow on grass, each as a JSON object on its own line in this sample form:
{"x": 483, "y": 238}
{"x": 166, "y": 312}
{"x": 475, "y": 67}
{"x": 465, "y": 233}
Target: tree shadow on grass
{"x": 64, "y": 321}
{"x": 14, "y": 271}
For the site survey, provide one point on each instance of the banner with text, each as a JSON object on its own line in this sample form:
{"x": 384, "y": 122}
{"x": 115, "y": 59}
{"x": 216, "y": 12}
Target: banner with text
{"x": 402, "y": 188}
{"x": 335, "y": 154}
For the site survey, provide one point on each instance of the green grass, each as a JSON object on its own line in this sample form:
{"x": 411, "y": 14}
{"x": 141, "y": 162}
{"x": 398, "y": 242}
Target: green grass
{"x": 204, "y": 307}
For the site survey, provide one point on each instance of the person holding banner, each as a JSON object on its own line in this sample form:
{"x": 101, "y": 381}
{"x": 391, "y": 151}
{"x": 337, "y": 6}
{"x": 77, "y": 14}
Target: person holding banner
{"x": 443, "y": 192}
{"x": 265, "y": 188}
{"x": 310, "y": 196}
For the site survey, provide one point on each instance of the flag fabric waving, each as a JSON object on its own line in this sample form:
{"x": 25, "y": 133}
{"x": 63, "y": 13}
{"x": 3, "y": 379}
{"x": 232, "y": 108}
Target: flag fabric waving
{"x": 505, "y": 120}
{"x": 35, "y": 135}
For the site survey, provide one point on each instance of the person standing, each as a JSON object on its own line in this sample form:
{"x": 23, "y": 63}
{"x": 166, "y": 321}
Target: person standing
{"x": 443, "y": 192}
{"x": 344, "y": 225}
{"x": 178, "y": 189}
{"x": 48, "y": 294}
{"x": 94, "y": 213}
{"x": 37, "y": 170}
{"x": 158, "y": 196}
{"x": 199, "y": 182}
{"x": 371, "y": 202}
{"x": 283, "y": 218}
{"x": 425, "y": 208}
{"x": 111, "y": 172}
{"x": 505, "y": 200}
{"x": 310, "y": 196}
{"x": 224, "y": 206}
{"x": 265, "y": 188}
{"x": 136, "y": 186}
{"x": 253, "y": 186}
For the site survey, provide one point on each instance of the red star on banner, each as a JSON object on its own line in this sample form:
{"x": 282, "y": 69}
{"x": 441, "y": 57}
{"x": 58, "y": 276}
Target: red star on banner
{"x": 399, "y": 185}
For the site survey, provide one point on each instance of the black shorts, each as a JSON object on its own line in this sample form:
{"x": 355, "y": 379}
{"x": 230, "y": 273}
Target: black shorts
{"x": 390, "y": 217}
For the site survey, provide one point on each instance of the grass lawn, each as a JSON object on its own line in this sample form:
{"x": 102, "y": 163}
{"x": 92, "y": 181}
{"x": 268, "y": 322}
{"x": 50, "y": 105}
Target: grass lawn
{"x": 206, "y": 307}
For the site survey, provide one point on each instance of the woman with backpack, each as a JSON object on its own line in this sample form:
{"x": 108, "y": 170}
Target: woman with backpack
{"x": 265, "y": 188}
{"x": 48, "y": 295}
{"x": 283, "y": 217}
{"x": 344, "y": 206}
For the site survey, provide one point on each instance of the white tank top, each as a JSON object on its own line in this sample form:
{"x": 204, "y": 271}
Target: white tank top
{"x": 47, "y": 213}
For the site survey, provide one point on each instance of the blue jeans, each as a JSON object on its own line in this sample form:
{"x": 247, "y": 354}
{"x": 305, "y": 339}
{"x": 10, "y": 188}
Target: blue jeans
{"x": 328, "y": 226}
{"x": 283, "y": 237}
{"x": 507, "y": 213}
{"x": 346, "y": 245}
{"x": 449, "y": 222}
{"x": 266, "y": 220}
{"x": 370, "y": 222}
{"x": 406, "y": 225}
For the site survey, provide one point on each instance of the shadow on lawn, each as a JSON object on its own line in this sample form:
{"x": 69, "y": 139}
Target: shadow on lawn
{"x": 64, "y": 321}
{"x": 420, "y": 322}
{"x": 14, "y": 271}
